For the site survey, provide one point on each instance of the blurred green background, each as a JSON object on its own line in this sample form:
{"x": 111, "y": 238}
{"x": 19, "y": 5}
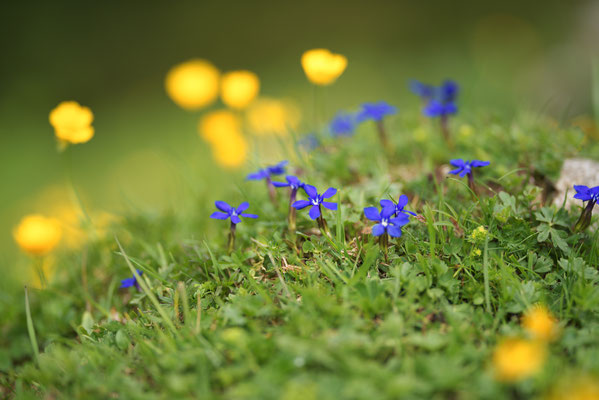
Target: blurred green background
{"x": 113, "y": 56}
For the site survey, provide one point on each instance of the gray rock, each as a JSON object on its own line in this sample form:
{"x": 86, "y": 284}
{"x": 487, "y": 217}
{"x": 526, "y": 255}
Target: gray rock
{"x": 575, "y": 171}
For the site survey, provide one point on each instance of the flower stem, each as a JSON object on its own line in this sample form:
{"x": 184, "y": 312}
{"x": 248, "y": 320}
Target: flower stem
{"x": 292, "y": 210}
{"x": 585, "y": 217}
{"x": 384, "y": 245}
{"x": 322, "y": 224}
{"x": 272, "y": 193}
{"x": 471, "y": 183}
{"x": 39, "y": 267}
{"x": 232, "y": 237}
{"x": 444, "y": 120}
{"x": 382, "y": 134}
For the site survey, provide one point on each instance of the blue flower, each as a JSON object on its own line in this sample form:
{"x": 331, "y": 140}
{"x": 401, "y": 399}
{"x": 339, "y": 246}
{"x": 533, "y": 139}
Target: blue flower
{"x": 435, "y": 108}
{"x": 426, "y": 92}
{"x": 343, "y": 124}
{"x": 125, "y": 283}
{"x": 464, "y": 168}
{"x": 585, "y": 193}
{"x": 375, "y": 111}
{"x": 292, "y": 181}
{"x": 399, "y": 207}
{"x": 316, "y": 200}
{"x": 386, "y": 224}
{"x": 309, "y": 142}
{"x": 231, "y": 212}
{"x": 267, "y": 172}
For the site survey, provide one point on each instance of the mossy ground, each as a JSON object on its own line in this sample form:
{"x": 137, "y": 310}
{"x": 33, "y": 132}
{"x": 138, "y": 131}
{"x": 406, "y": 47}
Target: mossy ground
{"x": 306, "y": 317}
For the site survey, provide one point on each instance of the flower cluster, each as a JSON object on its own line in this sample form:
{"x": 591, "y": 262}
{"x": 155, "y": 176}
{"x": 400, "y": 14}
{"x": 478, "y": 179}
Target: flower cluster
{"x": 439, "y": 101}
{"x": 72, "y": 122}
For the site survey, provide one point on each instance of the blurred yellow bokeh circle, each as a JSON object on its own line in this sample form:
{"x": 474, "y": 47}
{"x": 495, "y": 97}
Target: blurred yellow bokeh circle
{"x": 239, "y": 88}
{"x": 218, "y": 124}
{"x": 230, "y": 150}
{"x": 323, "y": 67}
{"x": 267, "y": 116}
{"x": 37, "y": 234}
{"x": 72, "y": 122}
{"x": 193, "y": 84}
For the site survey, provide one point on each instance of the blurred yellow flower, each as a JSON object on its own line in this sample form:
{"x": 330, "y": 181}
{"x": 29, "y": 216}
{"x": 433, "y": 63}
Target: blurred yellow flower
{"x": 230, "y": 150}
{"x": 268, "y": 116}
{"x": 323, "y": 67}
{"x": 515, "y": 359}
{"x": 37, "y": 234}
{"x": 579, "y": 388}
{"x": 239, "y": 88}
{"x": 193, "y": 84}
{"x": 72, "y": 122}
{"x": 219, "y": 124}
{"x": 540, "y": 323}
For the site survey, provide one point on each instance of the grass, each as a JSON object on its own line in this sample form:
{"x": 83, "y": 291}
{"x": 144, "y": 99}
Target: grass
{"x": 309, "y": 317}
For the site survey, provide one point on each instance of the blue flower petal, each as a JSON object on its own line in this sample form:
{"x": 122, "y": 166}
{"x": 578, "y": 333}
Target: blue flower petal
{"x": 246, "y": 215}
{"x": 314, "y": 212}
{"x": 242, "y": 207}
{"x": 387, "y": 212}
{"x": 386, "y": 203}
{"x": 478, "y": 163}
{"x": 378, "y": 230}
{"x": 310, "y": 191}
{"x": 254, "y": 176}
{"x": 372, "y": 213}
{"x": 394, "y": 231}
{"x": 219, "y": 215}
{"x": 223, "y": 206}
{"x": 280, "y": 184}
{"x": 125, "y": 283}
{"x": 400, "y": 220}
{"x": 330, "y": 192}
{"x": 457, "y": 162}
{"x": 403, "y": 200}
{"x": 330, "y": 205}
{"x": 235, "y": 219}
{"x": 301, "y": 204}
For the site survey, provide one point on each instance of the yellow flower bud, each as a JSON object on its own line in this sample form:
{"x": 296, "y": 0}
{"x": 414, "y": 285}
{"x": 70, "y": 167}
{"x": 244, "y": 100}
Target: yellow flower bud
{"x": 193, "y": 84}
{"x": 217, "y": 124}
{"x": 230, "y": 150}
{"x": 540, "y": 324}
{"x": 515, "y": 359}
{"x": 72, "y": 122}
{"x": 37, "y": 234}
{"x": 323, "y": 67}
{"x": 272, "y": 117}
{"x": 239, "y": 88}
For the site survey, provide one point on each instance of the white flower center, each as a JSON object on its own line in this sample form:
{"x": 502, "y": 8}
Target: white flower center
{"x": 384, "y": 222}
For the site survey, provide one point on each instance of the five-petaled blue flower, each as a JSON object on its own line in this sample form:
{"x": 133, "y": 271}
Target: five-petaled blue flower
{"x": 464, "y": 168}
{"x": 399, "y": 207}
{"x": 343, "y": 124}
{"x": 231, "y": 212}
{"x": 426, "y": 92}
{"x": 375, "y": 111}
{"x": 585, "y": 193}
{"x": 292, "y": 181}
{"x": 386, "y": 222}
{"x": 125, "y": 283}
{"x": 267, "y": 172}
{"x": 315, "y": 200}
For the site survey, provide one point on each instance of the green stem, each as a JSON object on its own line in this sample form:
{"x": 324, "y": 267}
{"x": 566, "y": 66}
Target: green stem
{"x": 232, "y": 237}
{"x": 39, "y": 267}
{"x": 31, "y": 329}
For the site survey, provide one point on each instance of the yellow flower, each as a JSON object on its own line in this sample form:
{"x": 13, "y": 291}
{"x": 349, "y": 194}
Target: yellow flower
{"x": 540, "y": 324}
{"x": 193, "y": 84}
{"x": 323, "y": 67}
{"x": 37, "y": 235}
{"x": 230, "y": 150}
{"x": 239, "y": 88}
{"x": 219, "y": 124}
{"x": 476, "y": 252}
{"x": 272, "y": 117}
{"x": 478, "y": 235}
{"x": 72, "y": 122}
{"x": 515, "y": 359}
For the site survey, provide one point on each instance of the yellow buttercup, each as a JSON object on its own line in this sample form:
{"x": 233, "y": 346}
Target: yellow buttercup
{"x": 515, "y": 359}
{"x": 193, "y": 84}
{"x": 72, "y": 122}
{"x": 239, "y": 88}
{"x": 37, "y": 234}
{"x": 323, "y": 67}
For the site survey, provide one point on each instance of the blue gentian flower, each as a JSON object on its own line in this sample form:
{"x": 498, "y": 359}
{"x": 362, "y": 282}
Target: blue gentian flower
{"x": 292, "y": 181}
{"x": 386, "y": 222}
{"x": 266, "y": 173}
{"x": 316, "y": 200}
{"x": 464, "y": 168}
{"x": 125, "y": 283}
{"x": 399, "y": 207}
{"x": 375, "y": 111}
{"x": 231, "y": 212}
{"x": 435, "y": 108}
{"x": 590, "y": 195}
{"x": 585, "y": 193}
{"x": 426, "y": 92}
{"x": 343, "y": 124}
